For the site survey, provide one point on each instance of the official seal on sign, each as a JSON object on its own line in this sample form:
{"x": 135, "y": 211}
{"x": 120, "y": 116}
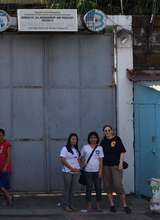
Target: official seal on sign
{"x": 4, "y": 20}
{"x": 95, "y": 20}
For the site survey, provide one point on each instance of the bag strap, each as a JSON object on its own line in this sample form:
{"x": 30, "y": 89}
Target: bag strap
{"x": 90, "y": 157}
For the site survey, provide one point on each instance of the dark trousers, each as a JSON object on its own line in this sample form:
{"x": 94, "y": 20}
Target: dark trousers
{"x": 92, "y": 179}
{"x": 69, "y": 185}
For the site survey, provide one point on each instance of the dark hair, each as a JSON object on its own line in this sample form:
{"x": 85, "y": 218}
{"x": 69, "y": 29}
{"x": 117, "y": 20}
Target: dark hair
{"x": 68, "y": 145}
{"x": 109, "y": 126}
{"x": 93, "y": 133}
{"x": 2, "y": 131}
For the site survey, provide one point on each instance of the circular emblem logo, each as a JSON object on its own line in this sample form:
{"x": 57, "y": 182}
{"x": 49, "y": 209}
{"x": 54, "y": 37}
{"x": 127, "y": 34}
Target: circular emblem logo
{"x": 98, "y": 152}
{"x": 113, "y": 144}
{"x": 4, "y": 20}
{"x": 95, "y": 20}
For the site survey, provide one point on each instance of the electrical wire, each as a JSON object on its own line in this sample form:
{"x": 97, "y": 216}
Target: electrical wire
{"x": 122, "y": 8}
{"x": 154, "y": 11}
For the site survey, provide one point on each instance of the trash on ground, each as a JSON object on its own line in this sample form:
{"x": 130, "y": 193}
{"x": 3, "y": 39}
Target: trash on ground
{"x": 154, "y": 185}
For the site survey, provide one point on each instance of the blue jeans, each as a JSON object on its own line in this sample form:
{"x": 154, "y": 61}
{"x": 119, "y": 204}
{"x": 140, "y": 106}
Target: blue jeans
{"x": 92, "y": 178}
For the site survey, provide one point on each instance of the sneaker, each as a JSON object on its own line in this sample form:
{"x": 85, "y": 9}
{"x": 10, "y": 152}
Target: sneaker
{"x": 112, "y": 208}
{"x": 68, "y": 209}
{"x": 86, "y": 210}
{"x": 9, "y": 201}
{"x": 73, "y": 208}
{"x": 127, "y": 210}
{"x": 89, "y": 210}
{"x": 99, "y": 210}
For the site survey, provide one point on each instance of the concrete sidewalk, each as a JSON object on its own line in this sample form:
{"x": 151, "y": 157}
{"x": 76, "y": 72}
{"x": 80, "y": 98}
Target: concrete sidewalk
{"x": 49, "y": 205}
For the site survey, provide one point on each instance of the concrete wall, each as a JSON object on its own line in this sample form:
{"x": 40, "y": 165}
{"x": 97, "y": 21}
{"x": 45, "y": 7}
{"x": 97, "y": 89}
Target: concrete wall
{"x": 146, "y": 43}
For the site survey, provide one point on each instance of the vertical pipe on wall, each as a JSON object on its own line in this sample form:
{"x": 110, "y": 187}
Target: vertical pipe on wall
{"x": 115, "y": 71}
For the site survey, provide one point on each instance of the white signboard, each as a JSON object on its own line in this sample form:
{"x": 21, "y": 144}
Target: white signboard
{"x": 53, "y": 20}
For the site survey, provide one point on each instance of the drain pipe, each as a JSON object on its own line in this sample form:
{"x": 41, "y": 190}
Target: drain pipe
{"x": 115, "y": 72}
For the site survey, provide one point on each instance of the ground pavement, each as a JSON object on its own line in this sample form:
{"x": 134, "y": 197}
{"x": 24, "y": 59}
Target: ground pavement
{"x": 47, "y": 207}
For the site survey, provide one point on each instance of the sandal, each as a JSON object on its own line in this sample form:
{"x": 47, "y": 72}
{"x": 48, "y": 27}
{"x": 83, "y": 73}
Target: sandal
{"x": 127, "y": 210}
{"x": 113, "y": 209}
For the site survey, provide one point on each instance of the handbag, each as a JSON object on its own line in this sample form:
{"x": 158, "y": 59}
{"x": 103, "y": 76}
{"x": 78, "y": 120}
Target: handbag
{"x": 82, "y": 178}
{"x": 125, "y": 165}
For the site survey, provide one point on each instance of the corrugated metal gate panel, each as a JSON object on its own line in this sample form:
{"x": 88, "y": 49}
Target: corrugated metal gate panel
{"x": 96, "y": 61}
{"x": 28, "y": 114}
{"x": 5, "y": 110}
{"x": 22, "y": 114}
{"x": 28, "y": 123}
{"x": 97, "y": 109}
{"x": 54, "y": 85}
{"x": 4, "y": 62}
{"x": 64, "y": 61}
{"x": 28, "y": 166}
{"x": 63, "y": 112}
{"x": 27, "y": 59}
{"x": 81, "y": 96}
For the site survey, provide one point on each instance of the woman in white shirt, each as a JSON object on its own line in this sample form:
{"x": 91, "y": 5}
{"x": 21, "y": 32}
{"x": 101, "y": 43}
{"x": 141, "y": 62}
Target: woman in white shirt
{"x": 93, "y": 169}
{"x": 70, "y": 168}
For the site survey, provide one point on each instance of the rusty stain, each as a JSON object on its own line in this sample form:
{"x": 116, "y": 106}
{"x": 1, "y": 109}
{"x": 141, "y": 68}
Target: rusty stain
{"x": 28, "y": 87}
{"x": 27, "y": 139}
{"x": 143, "y": 75}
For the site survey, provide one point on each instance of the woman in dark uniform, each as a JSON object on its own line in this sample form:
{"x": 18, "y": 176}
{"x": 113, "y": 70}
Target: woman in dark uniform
{"x": 114, "y": 151}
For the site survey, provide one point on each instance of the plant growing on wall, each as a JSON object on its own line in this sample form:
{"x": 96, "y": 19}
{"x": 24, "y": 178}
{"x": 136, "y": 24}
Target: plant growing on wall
{"x": 132, "y": 7}
{"x": 82, "y": 5}
{"x": 127, "y": 7}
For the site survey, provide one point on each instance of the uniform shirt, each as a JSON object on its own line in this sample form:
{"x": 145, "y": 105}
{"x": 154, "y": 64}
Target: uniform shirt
{"x": 4, "y": 155}
{"x": 94, "y": 163}
{"x": 71, "y": 159}
{"x": 112, "y": 149}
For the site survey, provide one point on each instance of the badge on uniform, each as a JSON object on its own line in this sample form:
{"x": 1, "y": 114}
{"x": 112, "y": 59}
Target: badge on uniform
{"x": 98, "y": 152}
{"x": 113, "y": 143}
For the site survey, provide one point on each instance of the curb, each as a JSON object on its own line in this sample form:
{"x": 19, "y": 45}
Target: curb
{"x": 52, "y": 212}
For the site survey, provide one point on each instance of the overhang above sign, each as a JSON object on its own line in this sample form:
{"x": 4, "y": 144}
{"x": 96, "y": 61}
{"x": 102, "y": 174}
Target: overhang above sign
{"x": 47, "y": 20}
{"x": 95, "y": 20}
{"x": 4, "y": 20}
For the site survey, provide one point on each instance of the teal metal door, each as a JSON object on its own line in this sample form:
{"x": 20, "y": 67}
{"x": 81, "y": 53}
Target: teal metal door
{"x": 147, "y": 136}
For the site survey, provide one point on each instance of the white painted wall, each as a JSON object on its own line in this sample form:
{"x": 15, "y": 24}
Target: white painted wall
{"x": 124, "y": 58}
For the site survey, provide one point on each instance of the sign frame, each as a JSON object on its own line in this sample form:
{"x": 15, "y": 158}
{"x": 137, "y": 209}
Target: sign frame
{"x": 47, "y": 20}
